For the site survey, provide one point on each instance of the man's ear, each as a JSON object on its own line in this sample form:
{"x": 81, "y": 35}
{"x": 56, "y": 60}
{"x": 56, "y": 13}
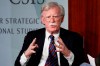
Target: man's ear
{"x": 62, "y": 19}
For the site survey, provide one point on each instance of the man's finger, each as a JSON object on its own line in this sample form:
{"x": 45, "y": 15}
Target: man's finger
{"x": 35, "y": 46}
{"x": 33, "y": 51}
{"x": 58, "y": 46}
{"x": 33, "y": 42}
{"x": 60, "y": 41}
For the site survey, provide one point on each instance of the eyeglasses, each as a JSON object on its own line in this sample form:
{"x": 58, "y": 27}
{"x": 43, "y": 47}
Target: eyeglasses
{"x": 55, "y": 17}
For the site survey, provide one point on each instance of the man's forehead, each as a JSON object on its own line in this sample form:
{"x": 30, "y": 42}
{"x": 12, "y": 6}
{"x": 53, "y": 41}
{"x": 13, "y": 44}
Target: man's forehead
{"x": 50, "y": 12}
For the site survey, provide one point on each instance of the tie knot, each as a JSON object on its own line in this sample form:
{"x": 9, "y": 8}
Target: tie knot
{"x": 51, "y": 37}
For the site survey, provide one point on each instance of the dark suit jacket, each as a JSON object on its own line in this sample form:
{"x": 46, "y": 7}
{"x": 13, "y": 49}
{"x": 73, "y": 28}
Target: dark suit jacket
{"x": 73, "y": 41}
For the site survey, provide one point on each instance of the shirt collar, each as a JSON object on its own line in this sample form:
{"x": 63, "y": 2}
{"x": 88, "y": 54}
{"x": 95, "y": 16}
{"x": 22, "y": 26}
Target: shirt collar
{"x": 55, "y": 35}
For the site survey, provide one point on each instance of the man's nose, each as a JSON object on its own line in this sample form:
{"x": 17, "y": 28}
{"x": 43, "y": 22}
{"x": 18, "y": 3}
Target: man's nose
{"x": 52, "y": 19}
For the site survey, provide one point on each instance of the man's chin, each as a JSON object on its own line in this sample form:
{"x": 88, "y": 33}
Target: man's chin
{"x": 54, "y": 31}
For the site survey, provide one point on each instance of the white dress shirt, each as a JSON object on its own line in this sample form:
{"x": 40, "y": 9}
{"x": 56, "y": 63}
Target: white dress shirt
{"x": 45, "y": 53}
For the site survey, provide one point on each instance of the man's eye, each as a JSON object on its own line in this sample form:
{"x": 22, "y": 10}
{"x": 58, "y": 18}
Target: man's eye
{"x": 48, "y": 17}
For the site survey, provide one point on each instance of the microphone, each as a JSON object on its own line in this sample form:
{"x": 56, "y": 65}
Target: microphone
{"x": 85, "y": 64}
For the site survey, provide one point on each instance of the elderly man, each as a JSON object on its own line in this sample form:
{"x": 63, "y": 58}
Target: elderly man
{"x": 52, "y": 45}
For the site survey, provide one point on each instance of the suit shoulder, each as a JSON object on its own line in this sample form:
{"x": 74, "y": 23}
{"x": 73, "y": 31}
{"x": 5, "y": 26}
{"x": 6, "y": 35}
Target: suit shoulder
{"x": 38, "y": 31}
{"x": 69, "y": 33}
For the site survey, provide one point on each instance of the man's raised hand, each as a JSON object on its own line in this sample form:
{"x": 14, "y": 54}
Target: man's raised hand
{"x": 31, "y": 49}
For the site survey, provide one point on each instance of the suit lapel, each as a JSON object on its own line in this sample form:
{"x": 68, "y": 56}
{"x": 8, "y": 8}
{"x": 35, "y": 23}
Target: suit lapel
{"x": 40, "y": 42}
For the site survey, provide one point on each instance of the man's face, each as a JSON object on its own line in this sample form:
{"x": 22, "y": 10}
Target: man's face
{"x": 52, "y": 19}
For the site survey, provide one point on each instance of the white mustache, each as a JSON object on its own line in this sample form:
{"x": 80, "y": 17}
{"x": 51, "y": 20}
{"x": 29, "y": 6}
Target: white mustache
{"x": 52, "y": 24}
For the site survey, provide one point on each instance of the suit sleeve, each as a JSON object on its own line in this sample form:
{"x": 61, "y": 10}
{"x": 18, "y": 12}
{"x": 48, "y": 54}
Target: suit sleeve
{"x": 27, "y": 40}
{"x": 78, "y": 50}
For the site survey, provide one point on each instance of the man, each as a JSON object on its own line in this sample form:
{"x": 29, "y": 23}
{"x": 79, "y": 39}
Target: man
{"x": 69, "y": 45}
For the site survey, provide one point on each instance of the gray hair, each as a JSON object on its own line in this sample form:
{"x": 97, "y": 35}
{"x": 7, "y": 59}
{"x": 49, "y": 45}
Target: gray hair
{"x": 47, "y": 6}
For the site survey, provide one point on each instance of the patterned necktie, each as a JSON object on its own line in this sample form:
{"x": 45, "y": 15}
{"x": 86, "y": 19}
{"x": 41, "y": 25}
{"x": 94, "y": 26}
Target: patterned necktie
{"x": 52, "y": 59}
